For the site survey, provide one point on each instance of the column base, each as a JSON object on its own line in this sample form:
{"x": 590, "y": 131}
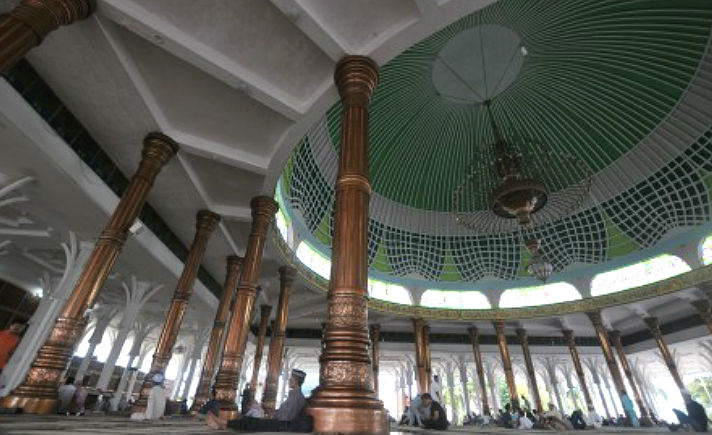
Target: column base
{"x": 30, "y": 405}
{"x": 228, "y": 411}
{"x": 343, "y": 412}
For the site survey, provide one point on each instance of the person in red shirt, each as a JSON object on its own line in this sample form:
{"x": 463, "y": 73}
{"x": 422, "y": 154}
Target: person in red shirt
{"x": 9, "y": 338}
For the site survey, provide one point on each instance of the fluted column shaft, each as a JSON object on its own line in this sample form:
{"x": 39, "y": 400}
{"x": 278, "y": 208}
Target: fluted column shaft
{"x": 571, "y": 343}
{"x": 597, "y": 321}
{"x": 202, "y": 394}
{"x": 375, "y": 359}
{"x": 345, "y": 401}
{"x": 428, "y": 361}
{"x": 276, "y": 344}
{"x": 419, "y": 341}
{"x": 475, "y": 340}
{"x": 506, "y": 361}
{"x": 263, "y": 210}
{"x": 524, "y": 341}
{"x": 28, "y": 23}
{"x": 654, "y": 326}
{"x": 615, "y": 337}
{"x": 38, "y": 392}
{"x": 205, "y": 225}
{"x": 265, "y": 311}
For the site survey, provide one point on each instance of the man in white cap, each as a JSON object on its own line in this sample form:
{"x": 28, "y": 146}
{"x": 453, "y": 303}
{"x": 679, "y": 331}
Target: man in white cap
{"x": 156, "y": 405}
{"x": 288, "y": 416}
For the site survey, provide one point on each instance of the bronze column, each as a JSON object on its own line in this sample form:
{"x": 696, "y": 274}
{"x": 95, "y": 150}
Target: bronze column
{"x": 28, "y": 23}
{"x": 38, "y": 392}
{"x": 571, "y": 343}
{"x": 506, "y": 361}
{"x": 276, "y": 344}
{"x": 206, "y": 221}
{"x": 475, "y": 339}
{"x": 345, "y": 401}
{"x": 615, "y": 337}
{"x": 524, "y": 340}
{"x": 597, "y": 321}
{"x": 375, "y": 336}
{"x": 265, "y": 311}
{"x": 263, "y": 210}
{"x": 703, "y": 308}
{"x": 202, "y": 394}
{"x": 419, "y": 341}
{"x": 428, "y": 362}
{"x": 652, "y": 323}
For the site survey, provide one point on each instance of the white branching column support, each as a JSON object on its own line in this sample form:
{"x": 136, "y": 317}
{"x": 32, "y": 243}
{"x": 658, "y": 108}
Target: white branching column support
{"x": 490, "y": 367}
{"x": 199, "y": 340}
{"x": 593, "y": 368}
{"x": 450, "y": 376}
{"x": 462, "y": 367}
{"x": 103, "y": 316}
{"x": 551, "y": 364}
{"x": 137, "y": 294}
{"x": 140, "y": 332}
{"x": 132, "y": 383}
{"x": 54, "y": 296}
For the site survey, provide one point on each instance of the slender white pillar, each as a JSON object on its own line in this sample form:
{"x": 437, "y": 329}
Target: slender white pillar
{"x": 144, "y": 353}
{"x": 462, "y": 367}
{"x": 140, "y": 333}
{"x": 137, "y": 294}
{"x": 103, "y": 314}
{"x": 54, "y": 296}
{"x": 189, "y": 380}
{"x": 182, "y": 368}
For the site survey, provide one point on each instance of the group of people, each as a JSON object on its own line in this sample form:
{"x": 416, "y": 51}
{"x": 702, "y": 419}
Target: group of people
{"x": 72, "y": 397}
{"x": 289, "y": 417}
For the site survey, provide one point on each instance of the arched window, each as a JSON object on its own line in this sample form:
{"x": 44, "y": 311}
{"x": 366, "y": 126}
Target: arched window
{"x": 314, "y": 260}
{"x": 283, "y": 226}
{"x": 706, "y": 250}
{"x": 538, "y": 295}
{"x": 458, "y": 299}
{"x": 646, "y": 272}
{"x": 389, "y": 292}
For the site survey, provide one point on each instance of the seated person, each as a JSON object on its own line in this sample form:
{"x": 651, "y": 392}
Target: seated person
{"x": 505, "y": 419}
{"x": 76, "y": 403}
{"x": 577, "y": 420}
{"x": 212, "y": 405}
{"x": 437, "y": 419}
{"x": 696, "y": 418}
{"x": 65, "y": 394}
{"x": 156, "y": 402}
{"x": 593, "y": 419}
{"x": 525, "y": 422}
{"x": 286, "y": 418}
{"x": 255, "y": 410}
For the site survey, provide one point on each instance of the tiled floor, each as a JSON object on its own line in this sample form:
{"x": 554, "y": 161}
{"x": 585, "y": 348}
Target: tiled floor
{"x": 102, "y": 425}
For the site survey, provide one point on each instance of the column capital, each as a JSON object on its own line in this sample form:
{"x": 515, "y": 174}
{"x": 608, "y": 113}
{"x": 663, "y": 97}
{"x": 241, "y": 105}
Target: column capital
{"x": 568, "y": 334}
{"x": 595, "y": 317}
{"x": 263, "y": 208}
{"x": 356, "y": 78}
{"x": 158, "y": 147}
{"x": 653, "y": 325}
{"x": 521, "y": 333}
{"x": 473, "y": 330}
{"x": 206, "y": 221}
{"x": 47, "y": 15}
{"x": 265, "y": 310}
{"x": 614, "y": 334}
{"x": 287, "y": 275}
{"x": 234, "y": 261}
{"x": 499, "y": 326}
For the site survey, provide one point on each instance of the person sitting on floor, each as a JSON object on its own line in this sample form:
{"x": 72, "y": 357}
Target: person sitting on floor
{"x": 288, "y": 418}
{"x": 76, "y": 404}
{"x": 65, "y": 393}
{"x": 577, "y": 420}
{"x": 505, "y": 418}
{"x": 212, "y": 405}
{"x": 437, "y": 419}
{"x": 156, "y": 402}
{"x": 255, "y": 410}
{"x": 525, "y": 422}
{"x": 696, "y": 418}
{"x": 593, "y": 419}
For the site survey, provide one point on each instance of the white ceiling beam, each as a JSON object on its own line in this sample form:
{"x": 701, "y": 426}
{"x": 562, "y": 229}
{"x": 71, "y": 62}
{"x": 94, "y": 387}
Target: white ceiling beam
{"x": 232, "y": 212}
{"x": 23, "y": 232}
{"x": 184, "y": 46}
{"x": 299, "y": 13}
{"x": 189, "y": 143}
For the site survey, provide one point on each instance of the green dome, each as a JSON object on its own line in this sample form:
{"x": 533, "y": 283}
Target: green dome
{"x": 615, "y": 84}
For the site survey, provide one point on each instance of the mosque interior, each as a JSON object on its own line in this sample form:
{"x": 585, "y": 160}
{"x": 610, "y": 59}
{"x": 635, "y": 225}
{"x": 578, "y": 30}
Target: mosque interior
{"x": 513, "y": 196}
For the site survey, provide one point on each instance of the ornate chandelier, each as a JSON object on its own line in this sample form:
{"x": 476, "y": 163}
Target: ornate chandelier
{"x": 538, "y": 267}
{"x": 517, "y": 183}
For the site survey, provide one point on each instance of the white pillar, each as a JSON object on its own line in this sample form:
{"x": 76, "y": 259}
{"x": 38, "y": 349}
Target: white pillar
{"x": 189, "y": 380}
{"x": 53, "y": 300}
{"x": 450, "y": 375}
{"x": 137, "y": 294}
{"x": 132, "y": 382}
{"x": 462, "y": 366}
{"x": 181, "y": 374}
{"x": 103, "y": 318}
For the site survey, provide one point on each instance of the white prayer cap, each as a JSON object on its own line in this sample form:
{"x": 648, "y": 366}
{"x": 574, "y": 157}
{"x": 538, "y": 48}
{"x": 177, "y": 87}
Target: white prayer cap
{"x": 157, "y": 378}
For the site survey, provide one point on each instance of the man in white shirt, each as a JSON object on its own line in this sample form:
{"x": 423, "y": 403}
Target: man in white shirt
{"x": 435, "y": 388}
{"x": 65, "y": 394}
{"x": 156, "y": 405}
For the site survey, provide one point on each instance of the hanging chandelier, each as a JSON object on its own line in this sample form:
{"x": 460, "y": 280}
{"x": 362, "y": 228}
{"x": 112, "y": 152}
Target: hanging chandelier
{"x": 538, "y": 267}
{"x": 518, "y": 183}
